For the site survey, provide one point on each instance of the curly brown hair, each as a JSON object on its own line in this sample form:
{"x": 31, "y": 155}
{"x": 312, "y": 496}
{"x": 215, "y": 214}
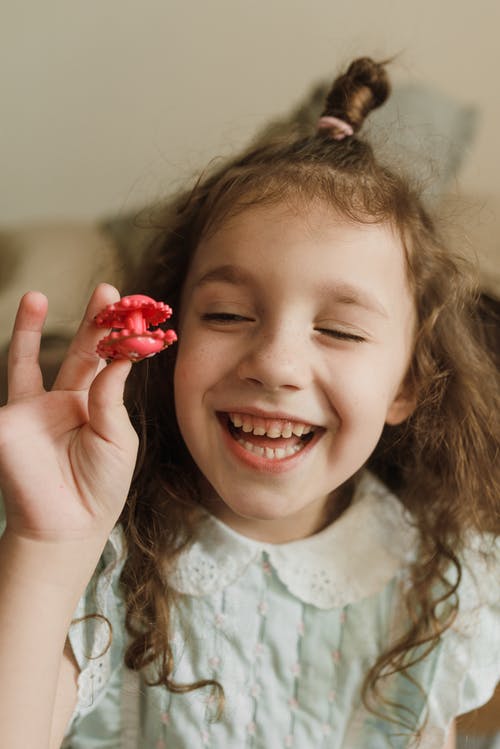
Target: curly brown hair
{"x": 442, "y": 461}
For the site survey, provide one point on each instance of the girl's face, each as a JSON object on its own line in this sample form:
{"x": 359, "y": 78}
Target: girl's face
{"x": 295, "y": 335}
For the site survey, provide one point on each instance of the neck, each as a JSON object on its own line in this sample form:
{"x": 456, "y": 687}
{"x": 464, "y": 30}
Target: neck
{"x": 281, "y": 530}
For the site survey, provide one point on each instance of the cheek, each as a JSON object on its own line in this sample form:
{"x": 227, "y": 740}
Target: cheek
{"x": 185, "y": 375}
{"x": 186, "y": 397}
{"x": 192, "y": 353}
{"x": 362, "y": 388}
{"x": 196, "y": 370}
{"x": 204, "y": 355}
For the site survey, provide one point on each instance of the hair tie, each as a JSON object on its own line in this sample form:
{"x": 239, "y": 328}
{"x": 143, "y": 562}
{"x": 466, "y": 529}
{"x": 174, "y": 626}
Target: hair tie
{"x": 327, "y": 123}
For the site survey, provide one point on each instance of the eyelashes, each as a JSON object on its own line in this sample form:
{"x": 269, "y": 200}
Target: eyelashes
{"x": 226, "y": 318}
{"x": 341, "y": 335}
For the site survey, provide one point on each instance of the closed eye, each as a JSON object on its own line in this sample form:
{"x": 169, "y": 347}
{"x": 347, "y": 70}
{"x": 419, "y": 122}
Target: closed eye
{"x": 224, "y": 317}
{"x": 341, "y": 335}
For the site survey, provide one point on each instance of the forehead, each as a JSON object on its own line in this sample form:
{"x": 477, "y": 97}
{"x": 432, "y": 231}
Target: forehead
{"x": 312, "y": 242}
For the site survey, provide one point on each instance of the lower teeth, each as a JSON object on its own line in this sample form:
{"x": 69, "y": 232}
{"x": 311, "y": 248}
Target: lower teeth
{"x": 277, "y": 453}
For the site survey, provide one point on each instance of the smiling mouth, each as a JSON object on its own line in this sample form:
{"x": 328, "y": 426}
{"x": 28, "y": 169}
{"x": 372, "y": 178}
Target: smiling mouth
{"x": 270, "y": 439}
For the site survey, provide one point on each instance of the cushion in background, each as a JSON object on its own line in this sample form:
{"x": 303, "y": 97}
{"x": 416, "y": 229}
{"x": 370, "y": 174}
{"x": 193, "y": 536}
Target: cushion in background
{"x": 418, "y": 129}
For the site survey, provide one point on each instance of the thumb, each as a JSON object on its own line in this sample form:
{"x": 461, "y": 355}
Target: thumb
{"x": 107, "y": 413}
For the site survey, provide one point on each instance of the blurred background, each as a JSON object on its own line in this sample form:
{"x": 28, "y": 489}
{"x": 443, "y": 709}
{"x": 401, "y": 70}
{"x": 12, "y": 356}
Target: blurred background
{"x": 109, "y": 105}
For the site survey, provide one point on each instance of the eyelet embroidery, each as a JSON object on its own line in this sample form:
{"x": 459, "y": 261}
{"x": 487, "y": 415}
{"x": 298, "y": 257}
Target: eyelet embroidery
{"x": 322, "y": 570}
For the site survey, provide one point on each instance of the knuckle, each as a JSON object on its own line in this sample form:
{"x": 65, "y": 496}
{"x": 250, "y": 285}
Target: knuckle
{"x": 85, "y": 354}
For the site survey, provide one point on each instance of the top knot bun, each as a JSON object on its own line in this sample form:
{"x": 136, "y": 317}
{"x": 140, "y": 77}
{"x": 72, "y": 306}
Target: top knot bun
{"x": 355, "y": 93}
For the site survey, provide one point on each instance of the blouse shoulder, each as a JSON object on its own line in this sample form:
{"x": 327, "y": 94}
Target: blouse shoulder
{"x": 96, "y": 633}
{"x": 468, "y": 668}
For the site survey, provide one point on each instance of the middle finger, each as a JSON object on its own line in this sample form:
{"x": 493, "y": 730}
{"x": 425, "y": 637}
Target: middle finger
{"x": 81, "y": 363}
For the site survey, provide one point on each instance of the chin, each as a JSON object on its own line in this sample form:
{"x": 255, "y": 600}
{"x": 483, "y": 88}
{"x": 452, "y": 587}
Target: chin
{"x": 269, "y": 508}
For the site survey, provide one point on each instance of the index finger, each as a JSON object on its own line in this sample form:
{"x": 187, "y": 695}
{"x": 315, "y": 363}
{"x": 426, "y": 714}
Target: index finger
{"x": 82, "y": 362}
{"x": 23, "y": 369}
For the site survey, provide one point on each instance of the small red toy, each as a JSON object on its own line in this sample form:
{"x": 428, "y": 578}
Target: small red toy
{"x": 131, "y": 338}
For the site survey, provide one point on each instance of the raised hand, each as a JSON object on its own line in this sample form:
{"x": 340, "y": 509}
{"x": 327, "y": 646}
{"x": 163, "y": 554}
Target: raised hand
{"x": 66, "y": 456}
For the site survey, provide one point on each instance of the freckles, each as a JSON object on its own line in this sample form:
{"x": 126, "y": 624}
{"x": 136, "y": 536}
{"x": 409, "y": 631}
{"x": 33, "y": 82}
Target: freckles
{"x": 195, "y": 367}
{"x": 192, "y": 348}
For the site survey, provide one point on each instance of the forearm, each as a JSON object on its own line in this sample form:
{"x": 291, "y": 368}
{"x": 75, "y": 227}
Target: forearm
{"x": 66, "y": 461}
{"x": 39, "y": 589}
{"x": 451, "y": 742}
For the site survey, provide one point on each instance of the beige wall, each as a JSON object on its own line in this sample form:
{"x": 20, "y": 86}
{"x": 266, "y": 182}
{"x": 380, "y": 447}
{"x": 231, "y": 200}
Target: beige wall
{"x": 107, "y": 103}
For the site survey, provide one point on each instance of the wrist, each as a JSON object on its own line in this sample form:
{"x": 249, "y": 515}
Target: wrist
{"x": 62, "y": 566}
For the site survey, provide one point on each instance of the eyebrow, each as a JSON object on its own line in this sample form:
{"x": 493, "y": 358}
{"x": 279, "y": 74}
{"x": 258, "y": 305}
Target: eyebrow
{"x": 349, "y": 294}
{"x": 342, "y": 292}
{"x": 227, "y": 273}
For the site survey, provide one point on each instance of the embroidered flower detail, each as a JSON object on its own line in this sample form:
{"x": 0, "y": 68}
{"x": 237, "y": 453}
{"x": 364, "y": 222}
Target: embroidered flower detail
{"x": 343, "y": 617}
{"x": 205, "y": 737}
{"x": 259, "y": 649}
{"x": 219, "y": 620}
{"x": 289, "y": 740}
{"x": 292, "y": 703}
{"x": 214, "y": 661}
{"x": 255, "y": 691}
{"x": 165, "y": 719}
{"x": 300, "y": 628}
{"x": 332, "y": 695}
{"x": 336, "y": 656}
{"x": 251, "y": 728}
{"x": 296, "y": 669}
{"x": 266, "y": 567}
{"x": 160, "y": 744}
{"x": 263, "y": 608}
{"x": 326, "y": 729}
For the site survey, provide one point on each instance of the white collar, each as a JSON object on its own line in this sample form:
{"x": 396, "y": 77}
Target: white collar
{"x": 354, "y": 557}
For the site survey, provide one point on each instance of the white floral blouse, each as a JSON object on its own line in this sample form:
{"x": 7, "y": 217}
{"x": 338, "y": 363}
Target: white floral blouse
{"x": 289, "y": 631}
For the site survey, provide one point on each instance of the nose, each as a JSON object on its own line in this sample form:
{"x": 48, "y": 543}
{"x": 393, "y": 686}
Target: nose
{"x": 276, "y": 360}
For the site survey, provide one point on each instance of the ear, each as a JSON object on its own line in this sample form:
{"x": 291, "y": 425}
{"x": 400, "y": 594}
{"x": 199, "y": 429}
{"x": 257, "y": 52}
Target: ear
{"x": 402, "y": 406}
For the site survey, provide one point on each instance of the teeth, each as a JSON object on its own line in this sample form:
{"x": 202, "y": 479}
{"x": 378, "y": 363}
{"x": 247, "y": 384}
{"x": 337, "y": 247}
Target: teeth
{"x": 269, "y": 428}
{"x": 269, "y": 453}
{"x": 274, "y": 431}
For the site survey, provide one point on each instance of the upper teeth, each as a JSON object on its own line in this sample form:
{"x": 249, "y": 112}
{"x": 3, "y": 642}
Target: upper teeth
{"x": 269, "y": 427}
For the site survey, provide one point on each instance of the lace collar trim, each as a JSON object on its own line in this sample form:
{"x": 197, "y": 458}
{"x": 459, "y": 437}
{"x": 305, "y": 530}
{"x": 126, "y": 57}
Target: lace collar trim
{"x": 354, "y": 557}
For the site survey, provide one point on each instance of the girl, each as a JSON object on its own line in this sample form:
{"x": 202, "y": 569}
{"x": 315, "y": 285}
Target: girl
{"x": 262, "y": 587}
